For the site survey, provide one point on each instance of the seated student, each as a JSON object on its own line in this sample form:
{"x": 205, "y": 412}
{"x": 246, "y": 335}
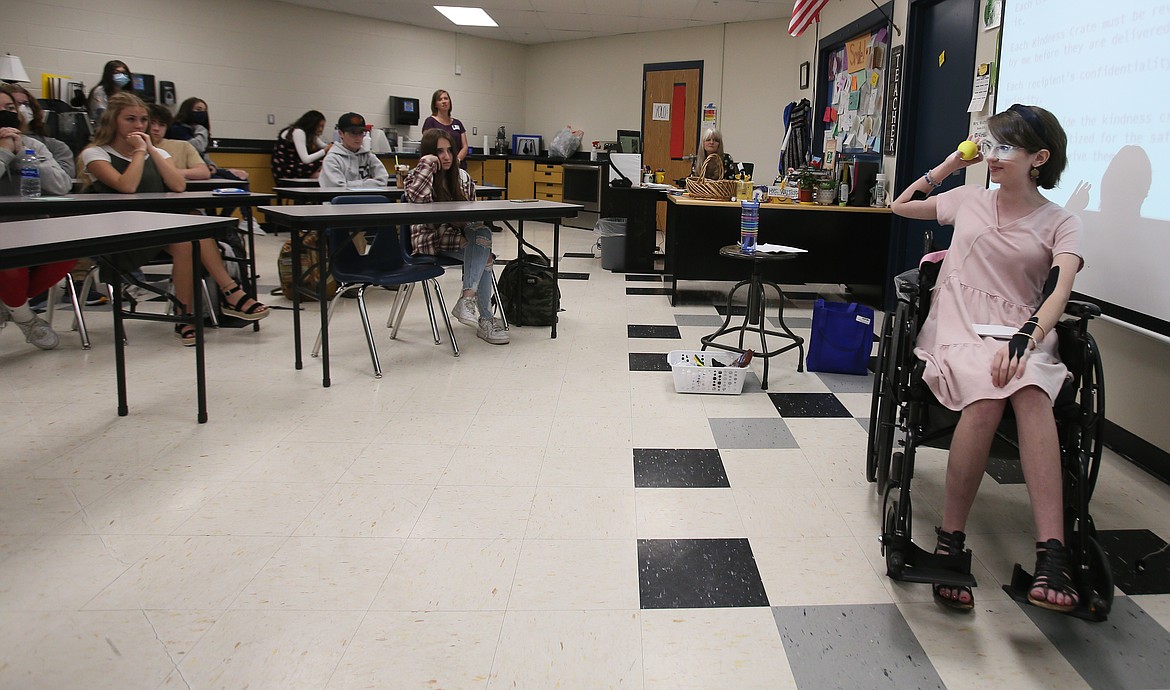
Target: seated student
{"x": 183, "y": 155}
{"x": 123, "y": 159}
{"x": 712, "y": 143}
{"x": 439, "y": 178}
{"x": 1011, "y": 262}
{"x": 34, "y": 118}
{"x": 192, "y": 124}
{"x": 352, "y": 164}
{"x": 17, "y": 285}
{"x": 115, "y": 79}
{"x": 299, "y": 148}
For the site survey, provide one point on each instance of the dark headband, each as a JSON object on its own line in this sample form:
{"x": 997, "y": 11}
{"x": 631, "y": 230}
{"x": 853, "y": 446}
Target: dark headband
{"x": 1031, "y": 118}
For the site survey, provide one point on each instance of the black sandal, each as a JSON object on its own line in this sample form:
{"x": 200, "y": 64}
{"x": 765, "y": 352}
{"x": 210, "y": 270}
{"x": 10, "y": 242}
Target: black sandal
{"x": 185, "y": 332}
{"x": 1053, "y": 575}
{"x": 952, "y": 544}
{"x": 254, "y": 312}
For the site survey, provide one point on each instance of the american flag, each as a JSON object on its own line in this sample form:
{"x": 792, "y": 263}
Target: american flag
{"x": 803, "y": 14}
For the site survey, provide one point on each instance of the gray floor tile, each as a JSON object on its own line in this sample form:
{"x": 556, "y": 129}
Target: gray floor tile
{"x": 858, "y": 646}
{"x": 752, "y": 433}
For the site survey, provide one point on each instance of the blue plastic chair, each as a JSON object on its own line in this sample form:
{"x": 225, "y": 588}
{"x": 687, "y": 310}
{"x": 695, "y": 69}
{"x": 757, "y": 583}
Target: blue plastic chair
{"x": 384, "y": 265}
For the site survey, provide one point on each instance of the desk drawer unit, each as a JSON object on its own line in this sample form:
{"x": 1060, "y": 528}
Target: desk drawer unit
{"x": 549, "y": 192}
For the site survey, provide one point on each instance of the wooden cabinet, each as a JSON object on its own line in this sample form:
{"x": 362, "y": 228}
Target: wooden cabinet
{"x": 521, "y": 179}
{"x": 493, "y": 172}
{"x": 549, "y": 182}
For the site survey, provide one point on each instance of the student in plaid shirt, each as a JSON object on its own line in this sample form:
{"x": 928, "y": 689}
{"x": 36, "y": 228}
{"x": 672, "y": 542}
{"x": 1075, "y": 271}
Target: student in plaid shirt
{"x": 439, "y": 178}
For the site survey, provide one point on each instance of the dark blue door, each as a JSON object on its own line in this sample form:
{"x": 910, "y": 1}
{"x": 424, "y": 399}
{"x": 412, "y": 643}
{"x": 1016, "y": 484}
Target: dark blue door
{"x": 934, "y": 106}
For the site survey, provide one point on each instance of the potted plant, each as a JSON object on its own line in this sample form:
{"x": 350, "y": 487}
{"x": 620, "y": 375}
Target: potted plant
{"x": 805, "y": 183}
{"x": 826, "y": 192}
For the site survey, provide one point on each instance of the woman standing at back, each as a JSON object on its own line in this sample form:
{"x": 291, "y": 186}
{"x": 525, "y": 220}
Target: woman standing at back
{"x": 441, "y": 119}
{"x": 115, "y": 79}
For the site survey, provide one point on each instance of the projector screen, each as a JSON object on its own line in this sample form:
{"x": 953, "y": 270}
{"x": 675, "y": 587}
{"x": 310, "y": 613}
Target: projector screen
{"x": 1099, "y": 66}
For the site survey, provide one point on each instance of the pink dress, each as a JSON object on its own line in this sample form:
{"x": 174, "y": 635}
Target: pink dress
{"x": 992, "y": 274}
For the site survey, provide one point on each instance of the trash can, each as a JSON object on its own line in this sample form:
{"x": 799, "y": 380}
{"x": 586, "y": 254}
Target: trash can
{"x": 612, "y": 239}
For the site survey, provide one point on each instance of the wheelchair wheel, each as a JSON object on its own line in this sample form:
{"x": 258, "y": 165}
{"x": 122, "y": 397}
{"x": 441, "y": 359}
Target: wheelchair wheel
{"x": 895, "y": 531}
{"x": 880, "y": 378}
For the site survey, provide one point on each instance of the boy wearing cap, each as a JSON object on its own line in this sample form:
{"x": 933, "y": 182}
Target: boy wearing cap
{"x": 352, "y": 164}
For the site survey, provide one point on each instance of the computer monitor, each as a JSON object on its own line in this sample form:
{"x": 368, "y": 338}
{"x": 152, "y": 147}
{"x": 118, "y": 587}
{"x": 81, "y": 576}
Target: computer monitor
{"x": 630, "y": 140}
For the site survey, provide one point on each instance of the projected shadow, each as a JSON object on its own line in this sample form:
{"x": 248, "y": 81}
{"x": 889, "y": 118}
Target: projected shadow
{"x": 1125, "y": 252}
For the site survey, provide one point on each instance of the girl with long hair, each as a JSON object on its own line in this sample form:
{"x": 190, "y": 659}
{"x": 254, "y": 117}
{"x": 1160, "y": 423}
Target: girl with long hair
{"x": 116, "y": 78}
{"x": 438, "y": 177}
{"x": 122, "y": 159}
{"x": 299, "y": 148}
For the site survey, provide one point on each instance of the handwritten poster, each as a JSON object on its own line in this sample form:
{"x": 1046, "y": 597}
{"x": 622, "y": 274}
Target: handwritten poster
{"x": 857, "y": 53}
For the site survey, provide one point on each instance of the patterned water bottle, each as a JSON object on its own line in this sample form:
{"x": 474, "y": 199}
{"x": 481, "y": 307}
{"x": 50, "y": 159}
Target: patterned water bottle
{"x": 749, "y": 225}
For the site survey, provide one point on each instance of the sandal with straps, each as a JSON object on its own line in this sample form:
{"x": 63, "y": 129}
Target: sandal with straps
{"x": 1053, "y": 575}
{"x": 236, "y": 307}
{"x": 952, "y": 544}
{"x": 185, "y": 332}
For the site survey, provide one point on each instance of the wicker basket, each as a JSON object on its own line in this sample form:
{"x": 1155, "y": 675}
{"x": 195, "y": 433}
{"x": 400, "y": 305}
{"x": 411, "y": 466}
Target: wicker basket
{"x": 710, "y": 190}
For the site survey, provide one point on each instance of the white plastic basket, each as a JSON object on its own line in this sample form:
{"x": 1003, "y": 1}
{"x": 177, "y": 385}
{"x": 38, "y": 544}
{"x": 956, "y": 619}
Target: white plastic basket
{"x": 689, "y": 377}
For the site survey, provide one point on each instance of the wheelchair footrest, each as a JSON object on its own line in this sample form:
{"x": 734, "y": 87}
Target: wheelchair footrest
{"x": 919, "y": 565}
{"x": 1022, "y": 582}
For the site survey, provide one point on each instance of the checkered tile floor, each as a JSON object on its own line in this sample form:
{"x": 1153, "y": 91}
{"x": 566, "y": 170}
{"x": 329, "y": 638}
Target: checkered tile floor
{"x": 547, "y": 514}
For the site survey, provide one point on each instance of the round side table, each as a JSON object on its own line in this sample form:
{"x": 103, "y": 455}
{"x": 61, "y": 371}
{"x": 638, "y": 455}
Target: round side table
{"x": 756, "y": 308}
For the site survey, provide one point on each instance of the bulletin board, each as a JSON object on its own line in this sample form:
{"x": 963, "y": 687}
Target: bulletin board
{"x": 851, "y": 96}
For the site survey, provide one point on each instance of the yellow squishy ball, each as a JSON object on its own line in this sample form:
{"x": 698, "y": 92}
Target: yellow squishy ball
{"x": 968, "y": 150}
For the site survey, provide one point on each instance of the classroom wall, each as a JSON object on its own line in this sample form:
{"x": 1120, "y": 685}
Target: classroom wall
{"x": 249, "y": 58}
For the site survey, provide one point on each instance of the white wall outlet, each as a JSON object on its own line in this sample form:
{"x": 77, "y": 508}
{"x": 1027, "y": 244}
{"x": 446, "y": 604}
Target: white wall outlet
{"x": 474, "y": 131}
{"x": 271, "y": 119}
{"x": 458, "y": 69}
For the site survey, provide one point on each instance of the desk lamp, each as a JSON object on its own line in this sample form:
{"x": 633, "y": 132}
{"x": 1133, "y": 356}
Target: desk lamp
{"x": 11, "y": 70}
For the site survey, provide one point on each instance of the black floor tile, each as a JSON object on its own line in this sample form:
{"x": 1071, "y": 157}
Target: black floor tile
{"x": 648, "y": 361}
{"x": 1124, "y": 547}
{"x": 698, "y": 573}
{"x": 736, "y": 309}
{"x": 578, "y": 255}
{"x": 653, "y": 332}
{"x": 643, "y": 279}
{"x": 808, "y": 405}
{"x": 679, "y": 468}
{"x": 563, "y": 275}
{"x": 647, "y": 291}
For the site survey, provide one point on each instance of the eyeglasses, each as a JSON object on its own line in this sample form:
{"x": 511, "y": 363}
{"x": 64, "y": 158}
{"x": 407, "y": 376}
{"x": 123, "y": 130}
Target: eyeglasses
{"x": 1001, "y": 151}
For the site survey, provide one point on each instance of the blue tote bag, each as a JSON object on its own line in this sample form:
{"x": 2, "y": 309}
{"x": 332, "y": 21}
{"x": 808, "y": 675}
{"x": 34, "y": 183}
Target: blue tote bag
{"x": 842, "y": 338}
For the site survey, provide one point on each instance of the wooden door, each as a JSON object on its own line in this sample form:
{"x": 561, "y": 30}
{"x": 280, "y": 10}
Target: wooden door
{"x": 676, "y": 89}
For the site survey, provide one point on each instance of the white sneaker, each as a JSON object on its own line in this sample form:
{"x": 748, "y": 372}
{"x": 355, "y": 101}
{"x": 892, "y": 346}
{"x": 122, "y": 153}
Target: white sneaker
{"x": 39, "y": 333}
{"x": 492, "y": 332}
{"x": 466, "y": 312}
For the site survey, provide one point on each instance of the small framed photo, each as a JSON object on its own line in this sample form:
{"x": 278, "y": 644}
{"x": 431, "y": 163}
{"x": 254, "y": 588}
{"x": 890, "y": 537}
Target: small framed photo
{"x": 526, "y": 144}
{"x": 804, "y": 74}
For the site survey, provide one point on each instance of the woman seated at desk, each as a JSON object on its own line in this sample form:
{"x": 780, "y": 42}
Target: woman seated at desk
{"x": 17, "y": 285}
{"x": 712, "y": 143}
{"x": 438, "y": 177}
{"x": 122, "y": 159}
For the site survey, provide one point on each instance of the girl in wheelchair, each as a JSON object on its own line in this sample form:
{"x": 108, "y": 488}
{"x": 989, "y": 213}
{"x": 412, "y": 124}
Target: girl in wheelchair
{"x": 1011, "y": 263}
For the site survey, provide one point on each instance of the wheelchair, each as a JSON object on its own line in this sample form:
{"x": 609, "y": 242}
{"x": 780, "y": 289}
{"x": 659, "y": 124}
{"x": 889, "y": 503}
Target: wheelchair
{"x": 905, "y": 415}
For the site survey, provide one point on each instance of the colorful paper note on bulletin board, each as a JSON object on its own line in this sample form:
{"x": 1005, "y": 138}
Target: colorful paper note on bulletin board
{"x": 857, "y": 53}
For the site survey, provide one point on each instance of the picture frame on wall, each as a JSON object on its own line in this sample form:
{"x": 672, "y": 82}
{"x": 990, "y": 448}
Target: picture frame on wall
{"x": 805, "y": 67}
{"x": 526, "y": 144}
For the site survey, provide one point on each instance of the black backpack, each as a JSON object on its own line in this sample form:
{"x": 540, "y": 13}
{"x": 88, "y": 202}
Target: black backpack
{"x": 528, "y": 290}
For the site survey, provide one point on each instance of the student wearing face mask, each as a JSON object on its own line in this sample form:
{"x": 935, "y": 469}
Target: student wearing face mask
{"x": 34, "y": 118}
{"x": 193, "y": 125}
{"x": 115, "y": 79}
{"x": 17, "y": 285}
